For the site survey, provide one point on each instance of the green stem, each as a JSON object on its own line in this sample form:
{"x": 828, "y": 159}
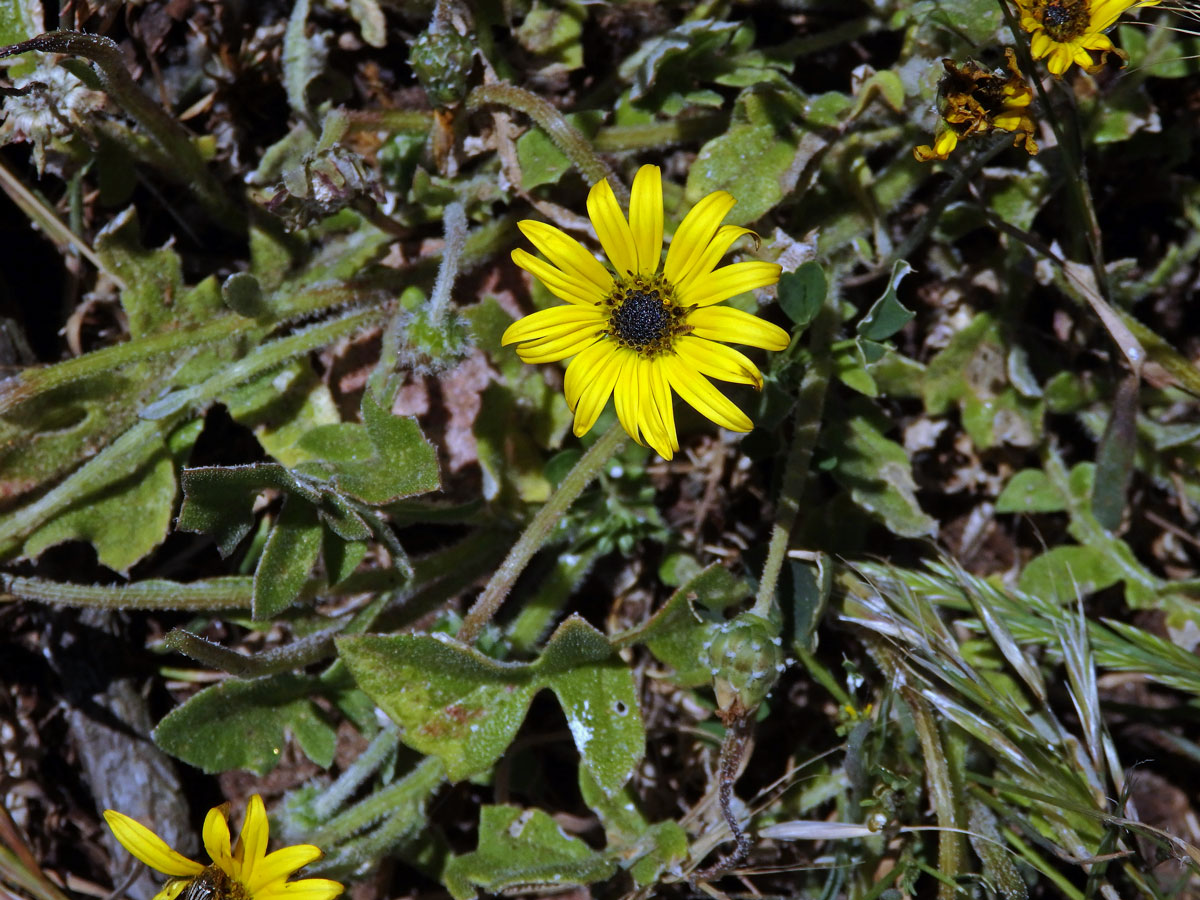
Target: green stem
{"x": 531, "y": 540}
{"x": 30, "y": 383}
{"x": 266, "y": 357}
{"x": 408, "y": 795}
{"x": 172, "y": 141}
{"x": 299, "y": 653}
{"x": 654, "y": 135}
{"x": 232, "y": 592}
{"x": 381, "y": 746}
{"x": 810, "y": 405}
{"x": 566, "y": 136}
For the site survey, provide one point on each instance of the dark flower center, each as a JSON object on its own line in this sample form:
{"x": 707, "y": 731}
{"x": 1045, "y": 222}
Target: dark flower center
{"x": 642, "y": 315}
{"x": 1065, "y": 20}
{"x": 641, "y": 319}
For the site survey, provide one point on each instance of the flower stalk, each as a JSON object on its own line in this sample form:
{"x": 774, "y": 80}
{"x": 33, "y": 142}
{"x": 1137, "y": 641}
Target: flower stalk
{"x": 531, "y": 540}
{"x": 566, "y": 136}
{"x": 810, "y": 406}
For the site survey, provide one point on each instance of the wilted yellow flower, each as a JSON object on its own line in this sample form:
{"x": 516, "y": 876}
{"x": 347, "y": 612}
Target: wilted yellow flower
{"x": 974, "y": 100}
{"x": 242, "y": 872}
{"x": 1070, "y": 31}
{"x": 640, "y": 333}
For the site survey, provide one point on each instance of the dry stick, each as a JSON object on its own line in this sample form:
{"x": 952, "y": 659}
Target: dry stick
{"x": 531, "y": 540}
{"x": 172, "y": 141}
{"x": 733, "y": 749}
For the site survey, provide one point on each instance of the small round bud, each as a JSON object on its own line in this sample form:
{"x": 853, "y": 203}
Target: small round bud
{"x": 745, "y": 663}
{"x": 442, "y": 60}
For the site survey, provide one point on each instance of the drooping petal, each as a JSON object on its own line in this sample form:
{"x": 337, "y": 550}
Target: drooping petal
{"x": 582, "y": 370}
{"x": 277, "y": 866}
{"x": 611, "y": 228}
{"x": 694, "y": 233}
{"x": 1040, "y": 44}
{"x": 707, "y": 261}
{"x": 595, "y": 394}
{"x": 627, "y": 396}
{"x": 149, "y": 847}
{"x": 552, "y": 322}
{"x": 650, "y": 418}
{"x": 728, "y": 281}
{"x": 697, "y": 390}
{"x": 664, "y": 402}
{"x": 566, "y": 287}
{"x": 718, "y": 361}
{"x": 724, "y": 323}
{"x": 216, "y": 840}
{"x": 646, "y": 218}
{"x": 552, "y": 350}
{"x": 567, "y": 253}
{"x": 304, "y": 889}
{"x": 252, "y": 842}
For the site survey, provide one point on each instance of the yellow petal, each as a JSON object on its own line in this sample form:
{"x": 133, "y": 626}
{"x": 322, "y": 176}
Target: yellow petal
{"x": 582, "y": 370}
{"x": 718, "y": 361}
{"x": 216, "y": 841}
{"x": 552, "y": 350}
{"x": 707, "y": 261}
{"x": 1060, "y": 60}
{"x": 664, "y": 403}
{"x": 279, "y": 865}
{"x": 695, "y": 232}
{"x": 729, "y": 281}
{"x": 172, "y": 889}
{"x": 723, "y": 323}
{"x": 567, "y": 253}
{"x": 304, "y": 889}
{"x": 595, "y": 395}
{"x": 627, "y": 396}
{"x": 649, "y": 418}
{"x": 149, "y": 847}
{"x": 1040, "y": 45}
{"x": 697, "y": 390}
{"x": 646, "y": 218}
{"x": 253, "y": 840}
{"x": 566, "y": 287}
{"x": 552, "y": 323}
{"x": 612, "y": 229}
{"x": 945, "y": 143}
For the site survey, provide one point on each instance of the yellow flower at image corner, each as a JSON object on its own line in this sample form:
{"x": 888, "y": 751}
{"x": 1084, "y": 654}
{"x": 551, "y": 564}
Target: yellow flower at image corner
{"x": 974, "y": 100}
{"x": 641, "y": 333}
{"x": 241, "y": 872}
{"x": 1070, "y": 31}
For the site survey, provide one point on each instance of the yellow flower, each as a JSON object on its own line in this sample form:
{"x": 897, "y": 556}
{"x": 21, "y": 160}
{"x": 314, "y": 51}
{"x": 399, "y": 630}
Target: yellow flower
{"x": 974, "y": 100}
{"x": 243, "y": 872}
{"x": 1069, "y": 31}
{"x": 642, "y": 333}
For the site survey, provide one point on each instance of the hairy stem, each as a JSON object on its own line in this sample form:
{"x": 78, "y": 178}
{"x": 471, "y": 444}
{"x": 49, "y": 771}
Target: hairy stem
{"x": 565, "y": 135}
{"x": 357, "y": 772}
{"x": 531, "y": 540}
{"x": 810, "y": 406}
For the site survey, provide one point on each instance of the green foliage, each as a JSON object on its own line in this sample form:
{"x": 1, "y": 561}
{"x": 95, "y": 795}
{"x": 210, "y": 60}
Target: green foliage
{"x": 243, "y": 725}
{"x": 464, "y": 708}
{"x": 967, "y": 506}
